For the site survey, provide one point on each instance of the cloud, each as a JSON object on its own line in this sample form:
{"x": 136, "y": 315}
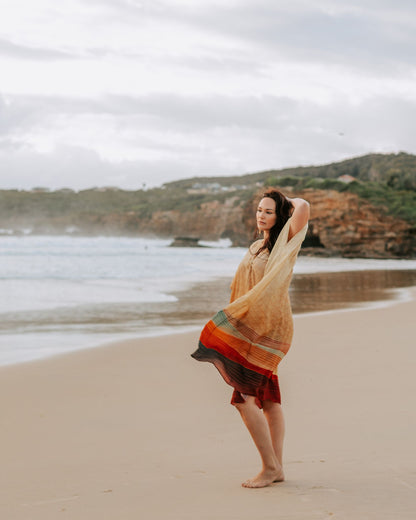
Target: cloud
{"x": 26, "y": 52}
{"x": 357, "y": 34}
{"x": 365, "y": 34}
{"x": 128, "y": 141}
{"x": 130, "y": 91}
{"x": 184, "y": 113}
{"x": 173, "y": 112}
{"x": 80, "y": 168}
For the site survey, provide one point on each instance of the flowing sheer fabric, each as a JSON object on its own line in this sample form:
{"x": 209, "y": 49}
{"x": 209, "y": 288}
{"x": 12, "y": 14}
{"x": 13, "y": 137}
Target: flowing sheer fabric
{"x": 247, "y": 340}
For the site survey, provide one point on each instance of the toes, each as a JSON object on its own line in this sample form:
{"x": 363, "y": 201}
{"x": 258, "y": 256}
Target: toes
{"x": 247, "y": 483}
{"x": 251, "y": 484}
{"x": 262, "y": 481}
{"x": 254, "y": 484}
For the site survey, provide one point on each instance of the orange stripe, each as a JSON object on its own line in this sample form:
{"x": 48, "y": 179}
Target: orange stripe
{"x": 252, "y": 353}
{"x": 237, "y": 350}
{"x": 250, "y": 334}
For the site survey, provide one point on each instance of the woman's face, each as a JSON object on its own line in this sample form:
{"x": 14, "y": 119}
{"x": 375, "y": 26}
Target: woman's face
{"x": 266, "y": 214}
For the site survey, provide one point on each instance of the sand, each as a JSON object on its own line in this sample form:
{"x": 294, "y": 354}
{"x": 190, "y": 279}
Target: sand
{"x": 139, "y": 430}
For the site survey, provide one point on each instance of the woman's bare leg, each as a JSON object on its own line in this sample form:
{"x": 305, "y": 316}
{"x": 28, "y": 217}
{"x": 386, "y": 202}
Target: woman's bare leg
{"x": 258, "y": 427}
{"x": 274, "y": 415}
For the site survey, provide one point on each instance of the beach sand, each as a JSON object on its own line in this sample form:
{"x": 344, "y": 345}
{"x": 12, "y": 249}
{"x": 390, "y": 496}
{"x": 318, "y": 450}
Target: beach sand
{"x": 139, "y": 430}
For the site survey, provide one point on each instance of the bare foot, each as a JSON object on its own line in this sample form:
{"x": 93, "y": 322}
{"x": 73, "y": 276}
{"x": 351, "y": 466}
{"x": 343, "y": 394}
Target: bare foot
{"x": 265, "y": 478}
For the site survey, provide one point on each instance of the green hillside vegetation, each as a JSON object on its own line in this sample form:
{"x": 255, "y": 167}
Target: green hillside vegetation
{"x": 23, "y": 204}
{"x": 397, "y": 202}
{"x": 396, "y": 170}
{"x": 388, "y": 181}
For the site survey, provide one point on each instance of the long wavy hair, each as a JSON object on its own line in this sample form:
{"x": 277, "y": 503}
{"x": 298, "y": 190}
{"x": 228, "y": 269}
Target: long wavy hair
{"x": 284, "y": 209}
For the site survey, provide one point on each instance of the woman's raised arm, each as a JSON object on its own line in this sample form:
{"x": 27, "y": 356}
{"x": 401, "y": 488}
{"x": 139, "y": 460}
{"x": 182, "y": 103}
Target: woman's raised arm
{"x": 300, "y": 216}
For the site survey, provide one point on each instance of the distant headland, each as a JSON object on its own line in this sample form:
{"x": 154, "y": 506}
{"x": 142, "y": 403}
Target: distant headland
{"x": 360, "y": 207}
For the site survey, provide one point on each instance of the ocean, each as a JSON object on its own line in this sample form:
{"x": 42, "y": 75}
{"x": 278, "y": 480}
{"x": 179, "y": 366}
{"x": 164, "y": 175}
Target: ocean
{"x": 62, "y": 293}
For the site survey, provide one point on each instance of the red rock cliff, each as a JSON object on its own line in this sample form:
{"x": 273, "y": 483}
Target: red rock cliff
{"x": 341, "y": 224}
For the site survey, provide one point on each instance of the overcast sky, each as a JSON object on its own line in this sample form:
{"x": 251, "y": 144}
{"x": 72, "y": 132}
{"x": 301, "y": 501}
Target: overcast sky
{"x": 133, "y": 92}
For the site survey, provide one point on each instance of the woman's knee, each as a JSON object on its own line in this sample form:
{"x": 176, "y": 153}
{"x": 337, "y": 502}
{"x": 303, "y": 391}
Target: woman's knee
{"x": 271, "y": 405}
{"x": 249, "y": 401}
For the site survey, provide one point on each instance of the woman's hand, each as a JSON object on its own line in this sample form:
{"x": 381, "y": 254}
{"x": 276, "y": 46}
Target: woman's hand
{"x": 300, "y": 215}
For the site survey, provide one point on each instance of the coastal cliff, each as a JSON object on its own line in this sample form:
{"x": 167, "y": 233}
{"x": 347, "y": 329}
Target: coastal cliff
{"x": 341, "y": 224}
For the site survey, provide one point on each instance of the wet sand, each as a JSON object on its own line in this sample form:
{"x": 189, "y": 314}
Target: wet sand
{"x": 194, "y": 305}
{"x": 140, "y": 430}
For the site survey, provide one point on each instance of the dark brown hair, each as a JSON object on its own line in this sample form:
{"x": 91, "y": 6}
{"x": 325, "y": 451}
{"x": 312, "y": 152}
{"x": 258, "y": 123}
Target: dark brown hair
{"x": 284, "y": 210}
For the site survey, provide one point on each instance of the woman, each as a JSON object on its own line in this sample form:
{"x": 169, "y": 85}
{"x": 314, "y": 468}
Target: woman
{"x": 247, "y": 340}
